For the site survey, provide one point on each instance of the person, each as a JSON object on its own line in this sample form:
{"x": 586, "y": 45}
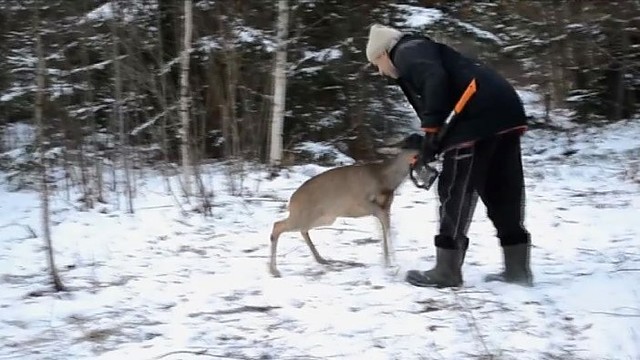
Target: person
{"x": 481, "y": 151}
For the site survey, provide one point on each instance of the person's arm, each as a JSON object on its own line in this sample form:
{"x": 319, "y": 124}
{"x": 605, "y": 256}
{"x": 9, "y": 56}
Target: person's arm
{"x": 421, "y": 66}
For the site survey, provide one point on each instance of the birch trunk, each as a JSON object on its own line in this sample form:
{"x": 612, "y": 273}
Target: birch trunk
{"x": 184, "y": 99}
{"x": 279, "y": 84}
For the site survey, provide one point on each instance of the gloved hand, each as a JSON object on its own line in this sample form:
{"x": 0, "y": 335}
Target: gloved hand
{"x": 421, "y": 173}
{"x": 426, "y": 144}
{"x": 413, "y": 141}
{"x": 429, "y": 148}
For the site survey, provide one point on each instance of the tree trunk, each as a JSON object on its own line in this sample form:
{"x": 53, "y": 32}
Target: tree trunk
{"x": 88, "y": 187}
{"x": 227, "y": 83}
{"x": 118, "y": 111}
{"x": 623, "y": 54}
{"x": 279, "y": 85}
{"x": 44, "y": 188}
{"x": 184, "y": 100}
{"x": 229, "y": 113}
{"x": 167, "y": 33}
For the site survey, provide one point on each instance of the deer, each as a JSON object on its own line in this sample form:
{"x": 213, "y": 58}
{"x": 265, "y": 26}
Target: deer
{"x": 350, "y": 191}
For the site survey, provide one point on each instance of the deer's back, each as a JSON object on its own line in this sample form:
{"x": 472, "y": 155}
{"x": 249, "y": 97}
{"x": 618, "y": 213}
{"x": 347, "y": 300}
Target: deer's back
{"x": 345, "y": 191}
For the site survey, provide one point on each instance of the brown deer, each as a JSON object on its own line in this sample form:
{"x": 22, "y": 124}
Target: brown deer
{"x": 348, "y": 191}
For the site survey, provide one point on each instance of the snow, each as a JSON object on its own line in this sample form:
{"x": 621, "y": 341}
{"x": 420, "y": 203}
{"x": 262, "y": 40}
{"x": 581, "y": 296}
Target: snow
{"x": 101, "y": 13}
{"x": 416, "y": 17}
{"x": 323, "y": 55}
{"x": 17, "y": 135}
{"x": 15, "y": 92}
{"x": 479, "y": 33}
{"x": 162, "y": 281}
{"x": 248, "y": 34}
{"x": 419, "y": 17}
{"x": 205, "y": 44}
{"x": 106, "y": 12}
{"x": 320, "y": 150}
{"x": 173, "y": 284}
{"x": 149, "y": 122}
{"x": 241, "y": 35}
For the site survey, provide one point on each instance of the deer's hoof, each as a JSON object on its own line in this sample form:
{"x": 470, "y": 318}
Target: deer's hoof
{"x": 274, "y": 272}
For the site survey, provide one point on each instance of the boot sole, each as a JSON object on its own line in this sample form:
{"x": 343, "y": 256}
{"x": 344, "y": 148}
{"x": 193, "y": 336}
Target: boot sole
{"x": 418, "y": 279}
{"x": 522, "y": 281}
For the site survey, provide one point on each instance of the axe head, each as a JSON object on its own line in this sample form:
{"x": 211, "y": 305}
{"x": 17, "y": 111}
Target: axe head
{"x": 423, "y": 176}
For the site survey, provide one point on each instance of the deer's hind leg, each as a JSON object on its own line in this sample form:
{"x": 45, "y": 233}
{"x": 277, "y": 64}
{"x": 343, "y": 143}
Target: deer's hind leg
{"x": 320, "y": 220}
{"x": 314, "y": 251}
{"x": 278, "y": 228}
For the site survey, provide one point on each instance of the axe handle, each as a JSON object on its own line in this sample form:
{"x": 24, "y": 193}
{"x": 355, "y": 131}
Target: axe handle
{"x": 462, "y": 102}
{"x": 466, "y": 95}
{"x": 416, "y": 165}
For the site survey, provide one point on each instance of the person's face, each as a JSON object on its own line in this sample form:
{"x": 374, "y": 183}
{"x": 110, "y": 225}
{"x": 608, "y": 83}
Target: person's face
{"x": 385, "y": 66}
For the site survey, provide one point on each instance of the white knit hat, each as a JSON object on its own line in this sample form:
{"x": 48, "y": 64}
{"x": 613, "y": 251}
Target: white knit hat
{"x": 381, "y": 38}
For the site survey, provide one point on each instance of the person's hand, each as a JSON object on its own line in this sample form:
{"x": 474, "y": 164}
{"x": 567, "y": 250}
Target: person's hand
{"x": 421, "y": 173}
{"x": 429, "y": 148}
{"x": 425, "y": 144}
{"x": 413, "y": 141}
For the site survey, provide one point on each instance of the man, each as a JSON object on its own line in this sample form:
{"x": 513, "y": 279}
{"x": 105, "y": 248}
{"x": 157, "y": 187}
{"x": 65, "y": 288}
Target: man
{"x": 481, "y": 151}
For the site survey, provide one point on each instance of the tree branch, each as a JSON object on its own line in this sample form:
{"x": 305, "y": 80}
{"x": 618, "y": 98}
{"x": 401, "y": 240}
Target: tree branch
{"x": 202, "y": 352}
{"x": 615, "y": 314}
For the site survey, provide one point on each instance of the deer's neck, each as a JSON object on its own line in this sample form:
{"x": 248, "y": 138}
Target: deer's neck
{"x": 394, "y": 171}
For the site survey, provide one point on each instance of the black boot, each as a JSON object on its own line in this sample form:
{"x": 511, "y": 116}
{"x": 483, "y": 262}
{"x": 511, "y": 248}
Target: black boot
{"x": 446, "y": 273}
{"x": 464, "y": 245}
{"x": 516, "y": 266}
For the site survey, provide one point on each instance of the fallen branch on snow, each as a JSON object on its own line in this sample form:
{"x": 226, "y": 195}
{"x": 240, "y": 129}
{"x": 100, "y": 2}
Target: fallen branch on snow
{"x": 266, "y": 199}
{"x": 204, "y": 352}
{"x": 31, "y": 233}
{"x": 201, "y": 353}
{"x": 615, "y": 314}
{"x": 241, "y": 309}
{"x": 624, "y": 270}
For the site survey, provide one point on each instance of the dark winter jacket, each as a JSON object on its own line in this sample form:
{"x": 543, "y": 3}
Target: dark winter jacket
{"x": 433, "y": 76}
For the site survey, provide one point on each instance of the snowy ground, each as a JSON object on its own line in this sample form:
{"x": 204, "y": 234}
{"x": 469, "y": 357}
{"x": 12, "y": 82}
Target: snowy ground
{"x": 161, "y": 283}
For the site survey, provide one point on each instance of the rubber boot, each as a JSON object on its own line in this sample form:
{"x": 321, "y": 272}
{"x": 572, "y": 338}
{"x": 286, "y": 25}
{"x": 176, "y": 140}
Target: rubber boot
{"x": 446, "y": 273}
{"x": 464, "y": 245}
{"x": 516, "y": 266}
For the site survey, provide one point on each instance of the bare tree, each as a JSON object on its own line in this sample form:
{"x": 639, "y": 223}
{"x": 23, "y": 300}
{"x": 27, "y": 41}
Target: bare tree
{"x": 87, "y": 182}
{"x": 229, "y": 75}
{"x": 184, "y": 99}
{"x": 40, "y": 143}
{"x": 117, "y": 104}
{"x": 279, "y": 84}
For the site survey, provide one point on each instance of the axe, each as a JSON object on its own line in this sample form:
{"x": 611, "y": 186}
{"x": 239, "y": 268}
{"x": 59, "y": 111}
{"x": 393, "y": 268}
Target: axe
{"x": 424, "y": 175}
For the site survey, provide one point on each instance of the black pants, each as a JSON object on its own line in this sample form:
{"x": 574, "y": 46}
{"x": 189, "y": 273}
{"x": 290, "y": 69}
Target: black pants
{"x": 492, "y": 170}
